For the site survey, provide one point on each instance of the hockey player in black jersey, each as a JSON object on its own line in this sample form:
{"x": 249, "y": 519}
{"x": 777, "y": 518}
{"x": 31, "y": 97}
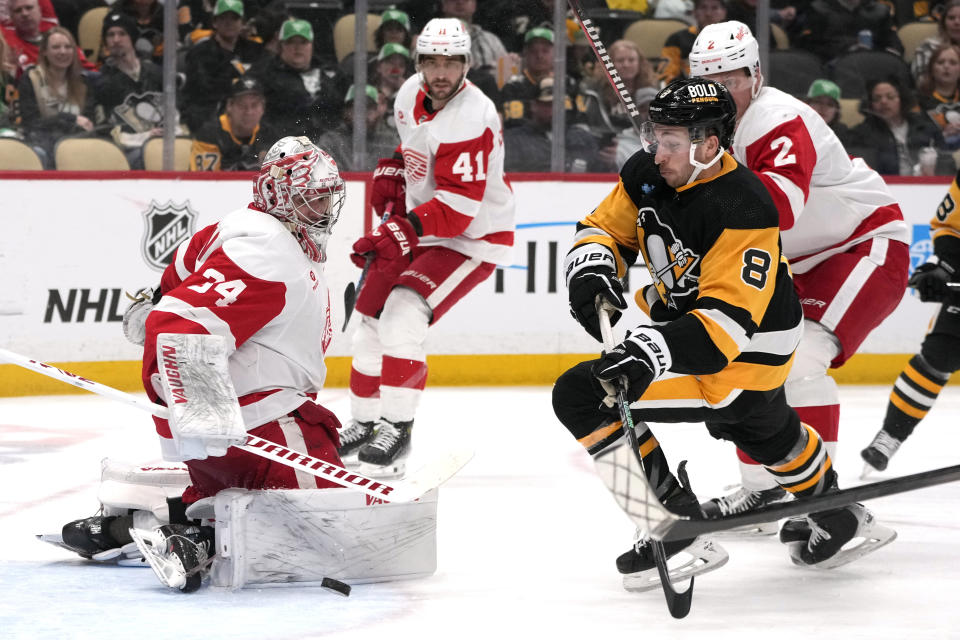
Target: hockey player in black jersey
{"x": 724, "y": 323}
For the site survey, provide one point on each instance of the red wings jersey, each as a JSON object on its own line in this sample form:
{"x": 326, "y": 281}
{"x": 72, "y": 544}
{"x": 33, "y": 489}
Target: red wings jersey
{"x": 247, "y": 279}
{"x": 827, "y": 201}
{"x": 453, "y": 161}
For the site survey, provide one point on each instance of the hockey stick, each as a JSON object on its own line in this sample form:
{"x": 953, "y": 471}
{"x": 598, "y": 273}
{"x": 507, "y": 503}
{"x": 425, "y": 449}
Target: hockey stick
{"x": 351, "y": 292}
{"x": 677, "y": 603}
{"x": 427, "y": 477}
{"x": 593, "y": 37}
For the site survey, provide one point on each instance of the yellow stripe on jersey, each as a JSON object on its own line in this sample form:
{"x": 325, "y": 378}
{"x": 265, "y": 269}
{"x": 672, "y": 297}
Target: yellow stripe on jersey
{"x": 727, "y": 164}
{"x": 802, "y": 458}
{"x": 617, "y": 215}
{"x": 741, "y": 263}
{"x": 821, "y": 470}
{"x": 910, "y": 410}
{"x": 921, "y": 380}
{"x": 720, "y": 335}
{"x": 600, "y": 434}
{"x": 648, "y": 446}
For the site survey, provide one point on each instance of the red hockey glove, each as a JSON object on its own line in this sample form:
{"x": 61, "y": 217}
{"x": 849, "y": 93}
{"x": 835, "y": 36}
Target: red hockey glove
{"x": 391, "y": 241}
{"x": 389, "y": 185}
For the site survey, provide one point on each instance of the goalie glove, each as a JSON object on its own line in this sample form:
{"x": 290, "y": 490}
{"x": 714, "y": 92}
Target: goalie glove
{"x": 591, "y": 272}
{"x": 135, "y": 317}
{"x": 640, "y": 359}
{"x": 930, "y": 280}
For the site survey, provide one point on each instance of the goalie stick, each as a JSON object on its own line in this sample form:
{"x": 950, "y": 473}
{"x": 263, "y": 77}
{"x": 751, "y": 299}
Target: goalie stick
{"x": 677, "y": 603}
{"x": 427, "y": 477}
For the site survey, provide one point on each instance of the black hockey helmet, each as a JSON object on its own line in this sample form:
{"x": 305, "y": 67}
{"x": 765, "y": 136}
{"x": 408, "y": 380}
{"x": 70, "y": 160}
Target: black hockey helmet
{"x": 696, "y": 102}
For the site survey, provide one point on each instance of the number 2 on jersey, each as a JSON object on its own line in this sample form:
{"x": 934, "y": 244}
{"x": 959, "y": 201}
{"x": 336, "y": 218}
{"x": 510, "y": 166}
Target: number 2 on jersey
{"x": 464, "y": 168}
{"x": 230, "y": 290}
{"x": 783, "y": 156}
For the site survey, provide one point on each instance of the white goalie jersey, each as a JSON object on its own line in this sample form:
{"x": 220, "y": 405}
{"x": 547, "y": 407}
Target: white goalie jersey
{"x": 453, "y": 161}
{"x": 828, "y": 201}
{"x": 248, "y": 280}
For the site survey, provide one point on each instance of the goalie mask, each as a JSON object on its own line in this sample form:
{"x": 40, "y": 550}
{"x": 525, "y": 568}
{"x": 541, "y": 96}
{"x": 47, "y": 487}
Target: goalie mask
{"x": 444, "y": 37}
{"x": 703, "y": 107}
{"x": 299, "y": 183}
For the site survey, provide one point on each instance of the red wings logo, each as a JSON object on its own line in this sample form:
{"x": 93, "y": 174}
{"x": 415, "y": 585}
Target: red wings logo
{"x": 415, "y": 166}
{"x": 742, "y": 33}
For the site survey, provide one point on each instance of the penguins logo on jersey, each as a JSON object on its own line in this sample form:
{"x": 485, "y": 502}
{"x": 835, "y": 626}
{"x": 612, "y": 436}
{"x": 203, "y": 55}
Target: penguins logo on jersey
{"x": 669, "y": 262}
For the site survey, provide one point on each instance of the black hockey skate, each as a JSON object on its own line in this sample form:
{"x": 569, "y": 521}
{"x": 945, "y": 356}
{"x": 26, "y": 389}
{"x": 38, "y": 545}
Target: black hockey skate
{"x": 685, "y": 558}
{"x": 385, "y": 455}
{"x": 352, "y": 438}
{"x": 179, "y": 554}
{"x": 98, "y": 537}
{"x": 830, "y": 531}
{"x": 878, "y": 453}
{"x": 743, "y": 500}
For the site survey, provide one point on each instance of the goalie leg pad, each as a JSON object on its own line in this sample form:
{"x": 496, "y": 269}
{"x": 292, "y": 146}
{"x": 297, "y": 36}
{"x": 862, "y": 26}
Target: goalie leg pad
{"x": 279, "y": 537}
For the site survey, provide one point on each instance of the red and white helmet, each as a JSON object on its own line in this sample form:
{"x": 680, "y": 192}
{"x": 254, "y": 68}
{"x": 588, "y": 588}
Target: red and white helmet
{"x": 726, "y": 46}
{"x": 444, "y": 37}
{"x": 300, "y": 184}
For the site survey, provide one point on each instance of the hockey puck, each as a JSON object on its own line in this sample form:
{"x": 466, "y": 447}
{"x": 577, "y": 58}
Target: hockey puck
{"x": 340, "y": 588}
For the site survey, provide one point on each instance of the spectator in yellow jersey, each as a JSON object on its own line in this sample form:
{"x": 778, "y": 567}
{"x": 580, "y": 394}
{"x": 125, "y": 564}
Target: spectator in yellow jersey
{"x": 237, "y": 139}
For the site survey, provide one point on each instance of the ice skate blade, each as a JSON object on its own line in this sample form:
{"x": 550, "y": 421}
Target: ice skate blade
{"x": 871, "y": 536}
{"x": 350, "y": 461}
{"x": 868, "y": 470}
{"x": 702, "y": 556}
{"x": 168, "y": 570}
{"x": 397, "y": 469}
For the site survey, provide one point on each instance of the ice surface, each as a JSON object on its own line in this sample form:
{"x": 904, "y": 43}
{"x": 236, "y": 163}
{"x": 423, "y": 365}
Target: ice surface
{"x": 527, "y": 539}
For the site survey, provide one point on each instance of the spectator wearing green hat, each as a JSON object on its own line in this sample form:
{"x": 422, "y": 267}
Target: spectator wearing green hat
{"x": 392, "y": 69}
{"x": 823, "y": 96}
{"x": 381, "y": 139}
{"x": 518, "y": 92}
{"x": 394, "y": 29}
{"x": 304, "y": 95}
{"x": 214, "y": 63}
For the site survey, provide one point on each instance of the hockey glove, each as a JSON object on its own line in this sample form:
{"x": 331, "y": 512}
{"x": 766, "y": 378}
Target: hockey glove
{"x": 389, "y": 243}
{"x": 639, "y": 360}
{"x": 591, "y": 274}
{"x": 930, "y": 280}
{"x": 389, "y": 185}
{"x": 135, "y": 317}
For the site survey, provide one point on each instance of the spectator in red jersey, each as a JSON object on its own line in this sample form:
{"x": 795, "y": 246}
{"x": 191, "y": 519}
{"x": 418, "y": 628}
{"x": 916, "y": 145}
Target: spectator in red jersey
{"x": 24, "y": 33}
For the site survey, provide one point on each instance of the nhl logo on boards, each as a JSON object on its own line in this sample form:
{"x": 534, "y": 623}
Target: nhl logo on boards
{"x": 165, "y": 227}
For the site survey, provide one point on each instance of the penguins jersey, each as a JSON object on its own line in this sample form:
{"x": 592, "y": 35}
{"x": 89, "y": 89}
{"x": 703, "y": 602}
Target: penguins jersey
{"x": 247, "y": 279}
{"x": 945, "y": 225}
{"x": 827, "y": 201}
{"x": 722, "y": 295}
{"x": 217, "y": 148}
{"x": 453, "y": 163}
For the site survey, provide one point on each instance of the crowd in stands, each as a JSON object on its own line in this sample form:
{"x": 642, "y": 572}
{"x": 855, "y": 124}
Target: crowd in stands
{"x": 250, "y": 71}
